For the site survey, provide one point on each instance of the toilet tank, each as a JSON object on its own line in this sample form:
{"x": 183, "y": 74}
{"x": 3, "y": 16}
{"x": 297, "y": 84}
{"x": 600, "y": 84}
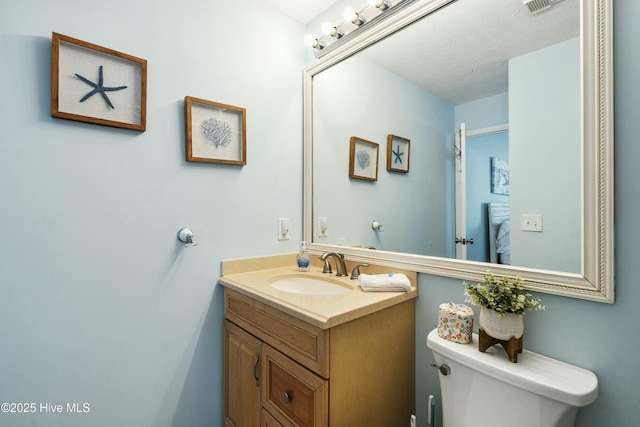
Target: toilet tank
{"x": 486, "y": 389}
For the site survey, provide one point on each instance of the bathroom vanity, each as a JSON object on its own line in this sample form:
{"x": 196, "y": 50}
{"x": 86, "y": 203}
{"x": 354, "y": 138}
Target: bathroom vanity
{"x": 302, "y": 359}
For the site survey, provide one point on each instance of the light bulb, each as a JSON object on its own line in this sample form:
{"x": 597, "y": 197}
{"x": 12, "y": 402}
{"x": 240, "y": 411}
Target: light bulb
{"x": 330, "y": 30}
{"x": 310, "y": 40}
{"x": 327, "y": 28}
{"x": 350, "y": 14}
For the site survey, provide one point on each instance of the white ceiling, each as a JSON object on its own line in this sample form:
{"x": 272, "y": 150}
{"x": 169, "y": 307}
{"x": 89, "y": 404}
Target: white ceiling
{"x": 301, "y": 10}
{"x": 461, "y": 52}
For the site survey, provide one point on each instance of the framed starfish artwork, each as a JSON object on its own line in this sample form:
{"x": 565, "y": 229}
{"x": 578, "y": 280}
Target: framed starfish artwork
{"x": 216, "y": 133}
{"x": 398, "y": 150}
{"x": 363, "y": 159}
{"x": 94, "y": 84}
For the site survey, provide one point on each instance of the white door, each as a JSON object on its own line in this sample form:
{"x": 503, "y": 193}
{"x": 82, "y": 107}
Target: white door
{"x": 462, "y": 240}
{"x": 460, "y": 142}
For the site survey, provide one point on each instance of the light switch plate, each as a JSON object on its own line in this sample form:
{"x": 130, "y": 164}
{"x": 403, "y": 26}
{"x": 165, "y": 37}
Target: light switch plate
{"x": 531, "y": 222}
{"x": 323, "y": 226}
{"x": 283, "y": 228}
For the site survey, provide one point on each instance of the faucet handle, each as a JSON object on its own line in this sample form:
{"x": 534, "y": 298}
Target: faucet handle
{"x": 327, "y": 266}
{"x": 356, "y": 270}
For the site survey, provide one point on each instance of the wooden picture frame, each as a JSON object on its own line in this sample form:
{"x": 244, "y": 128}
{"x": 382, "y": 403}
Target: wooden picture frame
{"x": 94, "y": 84}
{"x": 398, "y": 153}
{"x": 363, "y": 159}
{"x": 216, "y": 133}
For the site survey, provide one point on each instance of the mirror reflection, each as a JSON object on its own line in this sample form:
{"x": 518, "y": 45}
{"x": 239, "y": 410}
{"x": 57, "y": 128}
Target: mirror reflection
{"x": 489, "y": 97}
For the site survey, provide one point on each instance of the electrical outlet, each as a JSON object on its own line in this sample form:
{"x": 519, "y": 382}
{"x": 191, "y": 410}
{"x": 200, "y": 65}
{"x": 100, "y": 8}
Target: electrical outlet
{"x": 283, "y": 228}
{"x": 531, "y": 222}
{"x": 323, "y": 226}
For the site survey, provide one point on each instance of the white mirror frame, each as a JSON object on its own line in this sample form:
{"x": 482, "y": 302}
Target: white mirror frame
{"x": 596, "y": 283}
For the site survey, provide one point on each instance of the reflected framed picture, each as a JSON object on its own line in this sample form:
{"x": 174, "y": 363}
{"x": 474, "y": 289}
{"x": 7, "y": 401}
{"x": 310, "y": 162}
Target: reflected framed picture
{"x": 499, "y": 176}
{"x": 94, "y": 84}
{"x": 398, "y": 150}
{"x": 216, "y": 133}
{"x": 363, "y": 159}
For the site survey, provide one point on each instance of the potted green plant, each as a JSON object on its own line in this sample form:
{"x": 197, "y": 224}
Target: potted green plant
{"x": 503, "y": 302}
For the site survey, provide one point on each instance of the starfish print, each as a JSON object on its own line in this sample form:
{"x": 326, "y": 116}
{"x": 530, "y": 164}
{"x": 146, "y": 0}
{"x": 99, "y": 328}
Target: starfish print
{"x": 398, "y": 155}
{"x": 99, "y": 88}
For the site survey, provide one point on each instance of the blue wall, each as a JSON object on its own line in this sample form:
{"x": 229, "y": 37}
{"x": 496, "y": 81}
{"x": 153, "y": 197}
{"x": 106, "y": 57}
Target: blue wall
{"x": 98, "y": 301}
{"x": 341, "y": 111}
{"x": 544, "y": 89}
{"x": 482, "y": 113}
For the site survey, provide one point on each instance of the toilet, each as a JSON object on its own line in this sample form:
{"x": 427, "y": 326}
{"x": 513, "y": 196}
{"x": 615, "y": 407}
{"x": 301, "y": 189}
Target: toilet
{"x": 487, "y": 390}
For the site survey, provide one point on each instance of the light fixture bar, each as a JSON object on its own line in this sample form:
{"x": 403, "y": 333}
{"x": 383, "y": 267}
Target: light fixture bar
{"x": 354, "y": 22}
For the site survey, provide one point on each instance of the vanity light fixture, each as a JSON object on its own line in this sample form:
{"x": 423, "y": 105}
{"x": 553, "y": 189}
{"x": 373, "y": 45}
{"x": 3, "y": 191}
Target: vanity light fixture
{"x": 374, "y": 11}
{"x": 380, "y": 4}
{"x": 328, "y": 29}
{"x": 352, "y": 16}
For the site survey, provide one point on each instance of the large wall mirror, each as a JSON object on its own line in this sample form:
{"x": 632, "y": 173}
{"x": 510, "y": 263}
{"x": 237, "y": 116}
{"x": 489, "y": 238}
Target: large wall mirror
{"x": 498, "y": 124}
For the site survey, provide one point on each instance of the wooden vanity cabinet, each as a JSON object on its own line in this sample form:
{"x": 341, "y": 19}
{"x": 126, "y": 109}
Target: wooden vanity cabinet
{"x": 282, "y": 371}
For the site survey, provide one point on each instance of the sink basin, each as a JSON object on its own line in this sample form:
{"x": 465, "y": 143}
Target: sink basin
{"x": 309, "y": 285}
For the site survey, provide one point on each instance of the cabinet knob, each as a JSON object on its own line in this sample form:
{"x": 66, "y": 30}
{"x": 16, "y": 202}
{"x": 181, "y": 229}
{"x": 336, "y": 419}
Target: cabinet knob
{"x": 285, "y": 397}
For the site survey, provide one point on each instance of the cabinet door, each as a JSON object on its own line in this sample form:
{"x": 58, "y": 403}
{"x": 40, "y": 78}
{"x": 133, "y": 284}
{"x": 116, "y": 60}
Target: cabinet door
{"x": 241, "y": 377}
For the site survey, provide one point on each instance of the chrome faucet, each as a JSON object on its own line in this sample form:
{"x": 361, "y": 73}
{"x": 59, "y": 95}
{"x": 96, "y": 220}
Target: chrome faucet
{"x": 338, "y": 258}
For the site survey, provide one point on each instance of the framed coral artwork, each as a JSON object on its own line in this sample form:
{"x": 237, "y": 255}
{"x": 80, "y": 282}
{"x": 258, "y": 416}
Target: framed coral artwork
{"x": 94, "y": 84}
{"x": 216, "y": 133}
{"x": 363, "y": 159}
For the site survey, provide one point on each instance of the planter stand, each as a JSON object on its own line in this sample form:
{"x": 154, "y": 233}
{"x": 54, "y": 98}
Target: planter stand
{"x": 512, "y": 346}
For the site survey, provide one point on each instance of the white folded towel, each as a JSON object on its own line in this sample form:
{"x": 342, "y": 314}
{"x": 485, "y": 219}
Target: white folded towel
{"x": 384, "y": 282}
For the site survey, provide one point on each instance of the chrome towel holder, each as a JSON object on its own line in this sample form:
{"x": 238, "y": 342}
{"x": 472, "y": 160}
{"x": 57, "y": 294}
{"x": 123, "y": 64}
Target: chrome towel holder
{"x": 185, "y": 235}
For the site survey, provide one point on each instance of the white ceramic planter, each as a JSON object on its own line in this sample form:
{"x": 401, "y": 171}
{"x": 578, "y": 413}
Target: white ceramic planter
{"x": 509, "y": 326}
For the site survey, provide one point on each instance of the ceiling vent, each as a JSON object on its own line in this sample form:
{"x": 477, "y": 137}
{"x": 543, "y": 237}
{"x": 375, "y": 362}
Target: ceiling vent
{"x": 536, "y": 6}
